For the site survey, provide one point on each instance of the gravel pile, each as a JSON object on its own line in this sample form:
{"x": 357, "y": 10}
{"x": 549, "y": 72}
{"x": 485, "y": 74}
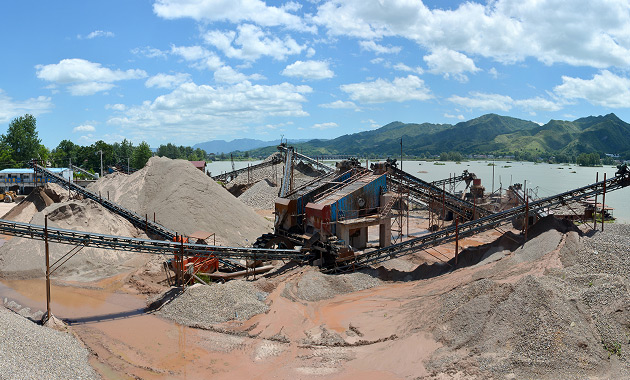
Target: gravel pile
{"x": 316, "y": 286}
{"x": 203, "y": 305}
{"x": 185, "y": 200}
{"x": 21, "y": 258}
{"x": 571, "y": 322}
{"x": 30, "y": 351}
{"x": 261, "y": 196}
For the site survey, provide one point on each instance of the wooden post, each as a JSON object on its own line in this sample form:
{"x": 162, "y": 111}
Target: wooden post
{"x": 153, "y": 216}
{"x": 456, "y": 239}
{"x": 47, "y": 268}
{"x": 146, "y": 223}
{"x": 604, "y": 202}
{"x": 526, "y": 215}
{"x": 182, "y": 254}
{"x": 595, "y": 204}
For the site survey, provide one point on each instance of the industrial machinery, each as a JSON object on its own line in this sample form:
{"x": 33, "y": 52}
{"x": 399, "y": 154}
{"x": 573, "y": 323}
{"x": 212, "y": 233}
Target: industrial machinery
{"x": 7, "y": 196}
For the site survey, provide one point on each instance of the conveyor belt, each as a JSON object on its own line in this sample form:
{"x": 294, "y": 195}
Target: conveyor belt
{"x": 225, "y": 177}
{"x": 455, "y": 179}
{"x": 121, "y": 243}
{"x": 81, "y": 170}
{"x": 319, "y": 165}
{"x": 135, "y": 219}
{"x": 482, "y": 224}
{"x": 428, "y": 192}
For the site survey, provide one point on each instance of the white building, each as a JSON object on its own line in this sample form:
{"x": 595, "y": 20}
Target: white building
{"x": 24, "y": 180}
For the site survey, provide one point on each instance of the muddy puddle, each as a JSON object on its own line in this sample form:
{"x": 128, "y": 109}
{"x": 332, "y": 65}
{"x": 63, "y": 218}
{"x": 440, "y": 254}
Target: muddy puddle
{"x": 127, "y": 341}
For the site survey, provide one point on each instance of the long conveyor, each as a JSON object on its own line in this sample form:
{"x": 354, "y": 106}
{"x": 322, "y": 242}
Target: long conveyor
{"x": 135, "y": 219}
{"x": 122, "y": 243}
{"x": 621, "y": 180}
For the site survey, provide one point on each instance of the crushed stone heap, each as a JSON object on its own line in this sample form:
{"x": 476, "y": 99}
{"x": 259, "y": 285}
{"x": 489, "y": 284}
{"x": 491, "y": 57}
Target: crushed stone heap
{"x": 184, "y": 200}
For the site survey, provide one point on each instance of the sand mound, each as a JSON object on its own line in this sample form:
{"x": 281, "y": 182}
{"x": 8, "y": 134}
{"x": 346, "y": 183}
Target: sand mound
{"x": 261, "y": 196}
{"x": 203, "y": 305}
{"x": 184, "y": 200}
{"x": 569, "y": 320}
{"x": 316, "y": 286}
{"x": 25, "y": 258}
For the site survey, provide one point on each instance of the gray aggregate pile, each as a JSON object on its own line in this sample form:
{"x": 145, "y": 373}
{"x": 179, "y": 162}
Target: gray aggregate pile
{"x": 30, "y": 351}
{"x": 571, "y": 322}
{"x": 202, "y": 305}
{"x": 261, "y": 196}
{"x": 316, "y": 286}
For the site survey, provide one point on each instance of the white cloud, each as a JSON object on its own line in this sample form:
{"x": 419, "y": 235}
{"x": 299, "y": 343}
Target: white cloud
{"x": 226, "y": 74}
{"x": 494, "y": 102}
{"x": 484, "y": 101}
{"x": 381, "y": 90}
{"x": 115, "y": 107}
{"x": 254, "y": 43}
{"x": 313, "y": 70}
{"x": 200, "y": 57}
{"x": 604, "y": 89}
{"x": 149, "y": 52}
{"x": 167, "y": 80}
{"x": 403, "y": 67}
{"x": 450, "y": 63}
{"x": 458, "y": 117}
{"x": 85, "y": 77}
{"x": 203, "y": 111}
{"x": 539, "y": 104}
{"x": 493, "y": 73}
{"x": 507, "y": 31}
{"x": 10, "y": 108}
{"x": 97, "y": 33}
{"x": 84, "y": 128}
{"x": 234, "y": 11}
{"x": 379, "y": 49}
{"x": 340, "y": 104}
{"x": 322, "y": 126}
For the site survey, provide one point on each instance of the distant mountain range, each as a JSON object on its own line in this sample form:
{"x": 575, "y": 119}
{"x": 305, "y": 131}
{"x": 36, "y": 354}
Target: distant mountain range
{"x": 487, "y": 134}
{"x": 222, "y": 146}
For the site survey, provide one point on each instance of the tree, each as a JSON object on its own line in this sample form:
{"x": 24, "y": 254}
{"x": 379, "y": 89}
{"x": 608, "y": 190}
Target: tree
{"x": 22, "y": 138}
{"x": 141, "y": 155}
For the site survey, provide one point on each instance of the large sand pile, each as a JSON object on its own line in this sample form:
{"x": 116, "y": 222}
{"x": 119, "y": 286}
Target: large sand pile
{"x": 185, "y": 200}
{"x": 25, "y": 257}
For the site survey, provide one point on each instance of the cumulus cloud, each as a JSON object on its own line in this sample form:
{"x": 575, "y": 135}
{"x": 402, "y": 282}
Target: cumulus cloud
{"x": 458, "y": 117}
{"x": 382, "y": 90}
{"x": 234, "y": 11}
{"x": 322, "y": 126}
{"x": 484, "y": 101}
{"x": 10, "y": 108}
{"x": 226, "y": 74}
{"x": 313, "y": 70}
{"x": 149, "y": 52}
{"x": 497, "y": 102}
{"x": 339, "y": 104}
{"x": 84, "y": 77}
{"x": 200, "y": 111}
{"x": 115, "y": 107}
{"x": 84, "y": 128}
{"x": 504, "y": 30}
{"x": 450, "y": 63}
{"x": 251, "y": 43}
{"x": 97, "y": 33}
{"x": 604, "y": 89}
{"x": 200, "y": 57}
{"x": 379, "y": 49}
{"x": 167, "y": 80}
{"x": 403, "y": 67}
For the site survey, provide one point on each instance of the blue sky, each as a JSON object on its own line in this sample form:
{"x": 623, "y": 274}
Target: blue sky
{"x": 188, "y": 71}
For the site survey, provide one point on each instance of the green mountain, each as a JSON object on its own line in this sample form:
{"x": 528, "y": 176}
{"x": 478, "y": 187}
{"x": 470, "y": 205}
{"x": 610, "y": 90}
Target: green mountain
{"x": 487, "y": 134}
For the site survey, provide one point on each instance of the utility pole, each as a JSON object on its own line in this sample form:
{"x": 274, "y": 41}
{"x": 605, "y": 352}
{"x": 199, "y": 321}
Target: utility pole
{"x": 101, "y": 152}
